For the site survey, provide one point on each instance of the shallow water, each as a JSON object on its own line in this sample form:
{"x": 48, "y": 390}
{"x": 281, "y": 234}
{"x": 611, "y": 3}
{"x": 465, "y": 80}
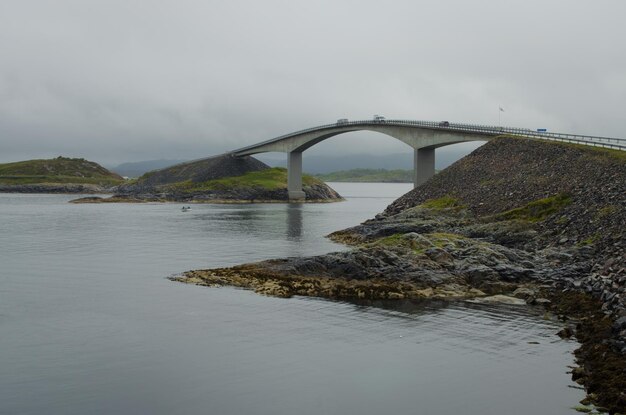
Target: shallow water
{"x": 90, "y": 324}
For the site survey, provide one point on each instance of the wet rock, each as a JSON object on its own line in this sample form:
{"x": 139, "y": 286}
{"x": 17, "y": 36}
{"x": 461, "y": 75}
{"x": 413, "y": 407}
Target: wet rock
{"x": 477, "y": 274}
{"x": 525, "y": 293}
{"x": 620, "y": 323}
{"x": 566, "y": 333}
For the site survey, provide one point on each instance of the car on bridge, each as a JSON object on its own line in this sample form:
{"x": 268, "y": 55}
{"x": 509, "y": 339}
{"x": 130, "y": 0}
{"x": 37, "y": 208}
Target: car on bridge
{"x": 379, "y": 118}
{"x": 444, "y": 124}
{"x": 342, "y": 121}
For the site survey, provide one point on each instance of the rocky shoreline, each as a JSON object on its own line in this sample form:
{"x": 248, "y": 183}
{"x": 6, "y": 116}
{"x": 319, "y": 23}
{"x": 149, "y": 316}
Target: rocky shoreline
{"x": 131, "y": 199}
{"x": 316, "y": 193}
{"x": 433, "y": 259}
{"x": 543, "y": 227}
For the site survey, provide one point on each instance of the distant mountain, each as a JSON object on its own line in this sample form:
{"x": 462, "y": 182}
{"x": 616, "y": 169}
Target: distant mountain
{"x": 317, "y": 164}
{"x": 138, "y": 168}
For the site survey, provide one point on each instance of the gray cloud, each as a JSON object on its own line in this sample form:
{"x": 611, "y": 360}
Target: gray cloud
{"x": 131, "y": 80}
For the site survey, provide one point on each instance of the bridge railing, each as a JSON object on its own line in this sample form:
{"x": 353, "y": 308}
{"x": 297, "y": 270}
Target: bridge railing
{"x": 544, "y": 134}
{"x": 597, "y": 141}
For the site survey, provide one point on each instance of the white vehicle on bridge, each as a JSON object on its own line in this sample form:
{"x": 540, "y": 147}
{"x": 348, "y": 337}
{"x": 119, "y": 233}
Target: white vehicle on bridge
{"x": 342, "y": 121}
{"x": 379, "y": 118}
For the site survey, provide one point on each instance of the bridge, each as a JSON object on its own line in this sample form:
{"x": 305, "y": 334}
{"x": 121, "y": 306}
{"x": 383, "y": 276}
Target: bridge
{"x": 423, "y": 136}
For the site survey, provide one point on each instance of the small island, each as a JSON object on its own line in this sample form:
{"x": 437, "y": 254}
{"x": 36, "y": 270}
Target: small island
{"x": 58, "y": 175}
{"x": 220, "y": 179}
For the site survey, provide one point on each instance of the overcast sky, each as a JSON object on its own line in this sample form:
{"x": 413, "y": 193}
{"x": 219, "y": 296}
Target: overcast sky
{"x": 123, "y": 80}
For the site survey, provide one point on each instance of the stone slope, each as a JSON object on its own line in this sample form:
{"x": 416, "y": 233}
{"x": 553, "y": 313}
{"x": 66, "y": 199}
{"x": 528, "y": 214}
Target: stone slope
{"x": 508, "y": 173}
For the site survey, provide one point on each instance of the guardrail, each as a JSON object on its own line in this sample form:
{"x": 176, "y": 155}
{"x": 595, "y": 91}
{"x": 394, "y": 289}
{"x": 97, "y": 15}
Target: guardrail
{"x": 596, "y": 141}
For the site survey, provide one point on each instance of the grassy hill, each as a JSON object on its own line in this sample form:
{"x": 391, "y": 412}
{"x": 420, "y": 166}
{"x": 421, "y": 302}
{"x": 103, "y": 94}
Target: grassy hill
{"x": 222, "y": 177}
{"x": 61, "y": 170}
{"x": 368, "y": 175}
{"x": 270, "y": 179}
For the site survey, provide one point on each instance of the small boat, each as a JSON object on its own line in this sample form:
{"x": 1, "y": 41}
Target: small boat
{"x": 186, "y": 208}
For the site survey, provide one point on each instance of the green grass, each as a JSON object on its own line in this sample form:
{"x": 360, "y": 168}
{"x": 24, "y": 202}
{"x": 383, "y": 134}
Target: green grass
{"x": 445, "y": 202}
{"x": 607, "y": 211}
{"x": 269, "y": 179}
{"x": 419, "y": 246}
{"x": 537, "y": 210}
{"x": 397, "y": 239}
{"x": 589, "y": 241}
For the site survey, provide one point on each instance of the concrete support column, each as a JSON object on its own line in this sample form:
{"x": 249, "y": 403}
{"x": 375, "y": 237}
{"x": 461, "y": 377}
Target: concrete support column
{"x": 294, "y": 176}
{"x": 423, "y": 165}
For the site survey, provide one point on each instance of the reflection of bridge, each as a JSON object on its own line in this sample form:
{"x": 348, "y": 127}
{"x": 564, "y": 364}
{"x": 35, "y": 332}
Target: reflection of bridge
{"x": 423, "y": 136}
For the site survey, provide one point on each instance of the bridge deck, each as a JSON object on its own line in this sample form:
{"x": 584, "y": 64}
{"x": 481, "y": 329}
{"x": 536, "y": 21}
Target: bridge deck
{"x": 423, "y": 136}
{"x": 485, "y": 130}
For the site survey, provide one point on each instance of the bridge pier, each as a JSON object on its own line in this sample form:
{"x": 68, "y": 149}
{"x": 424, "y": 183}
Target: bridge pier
{"x": 294, "y": 176}
{"x": 423, "y": 165}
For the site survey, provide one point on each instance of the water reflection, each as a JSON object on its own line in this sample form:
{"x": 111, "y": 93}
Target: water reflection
{"x": 252, "y": 220}
{"x": 294, "y": 221}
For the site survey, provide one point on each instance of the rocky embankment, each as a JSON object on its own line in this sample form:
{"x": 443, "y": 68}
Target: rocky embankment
{"x": 537, "y": 221}
{"x": 512, "y": 173}
{"x": 220, "y": 179}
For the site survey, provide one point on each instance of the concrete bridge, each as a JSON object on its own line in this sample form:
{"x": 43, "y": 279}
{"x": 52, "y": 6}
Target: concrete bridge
{"x": 423, "y": 136}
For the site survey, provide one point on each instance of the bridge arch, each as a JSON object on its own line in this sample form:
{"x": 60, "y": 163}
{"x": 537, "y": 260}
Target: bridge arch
{"x": 412, "y": 135}
{"x": 424, "y": 141}
{"x": 423, "y": 136}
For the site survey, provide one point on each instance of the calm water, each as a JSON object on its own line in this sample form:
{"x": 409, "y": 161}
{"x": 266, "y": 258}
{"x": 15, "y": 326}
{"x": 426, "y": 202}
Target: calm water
{"x": 90, "y": 325}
